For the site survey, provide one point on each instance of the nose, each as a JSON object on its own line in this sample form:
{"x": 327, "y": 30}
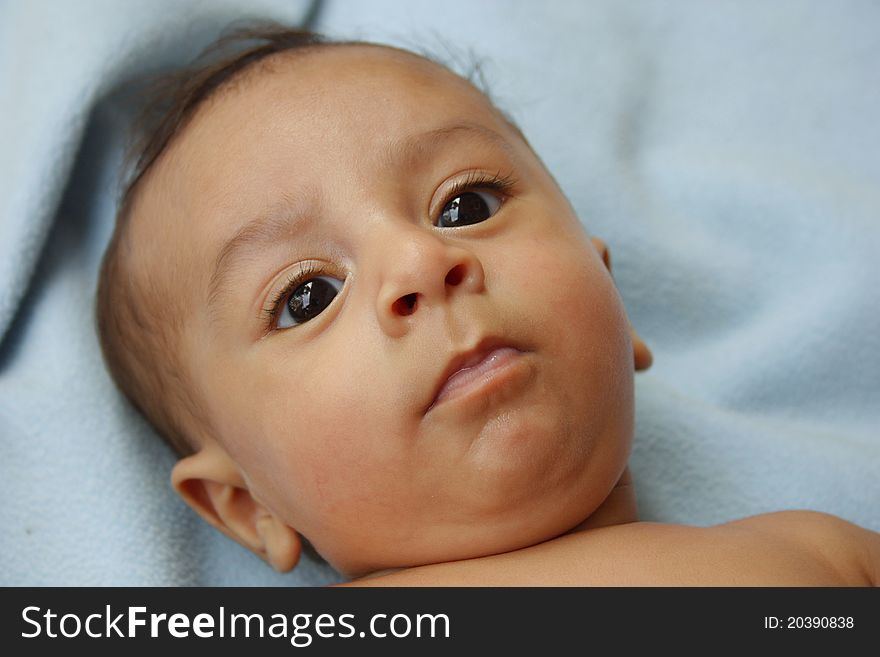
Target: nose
{"x": 421, "y": 270}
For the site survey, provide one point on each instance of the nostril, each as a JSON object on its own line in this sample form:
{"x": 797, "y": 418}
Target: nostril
{"x": 455, "y": 275}
{"x": 405, "y": 305}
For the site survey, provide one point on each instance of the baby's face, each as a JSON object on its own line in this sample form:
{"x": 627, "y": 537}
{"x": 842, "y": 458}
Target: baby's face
{"x": 406, "y": 232}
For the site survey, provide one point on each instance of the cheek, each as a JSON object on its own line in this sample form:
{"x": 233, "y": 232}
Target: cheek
{"x": 589, "y": 328}
{"x": 561, "y": 285}
{"x": 574, "y": 313}
{"x": 321, "y": 451}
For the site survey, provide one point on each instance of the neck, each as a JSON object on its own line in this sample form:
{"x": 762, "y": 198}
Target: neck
{"x": 619, "y": 507}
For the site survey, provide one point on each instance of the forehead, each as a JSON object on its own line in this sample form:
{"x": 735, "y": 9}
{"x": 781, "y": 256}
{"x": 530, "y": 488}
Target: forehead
{"x": 344, "y": 96}
{"x": 330, "y": 101}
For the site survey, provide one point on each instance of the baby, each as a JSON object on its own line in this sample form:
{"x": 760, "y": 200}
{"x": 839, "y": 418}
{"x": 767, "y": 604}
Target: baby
{"x": 346, "y": 290}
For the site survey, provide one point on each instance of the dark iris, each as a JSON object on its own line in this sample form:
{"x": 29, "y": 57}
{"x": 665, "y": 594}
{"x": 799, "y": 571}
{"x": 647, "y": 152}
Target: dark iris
{"x": 464, "y": 209}
{"x": 310, "y": 299}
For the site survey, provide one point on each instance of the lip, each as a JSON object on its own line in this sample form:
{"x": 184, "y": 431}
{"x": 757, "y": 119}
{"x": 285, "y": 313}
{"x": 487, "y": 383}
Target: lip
{"x": 472, "y": 367}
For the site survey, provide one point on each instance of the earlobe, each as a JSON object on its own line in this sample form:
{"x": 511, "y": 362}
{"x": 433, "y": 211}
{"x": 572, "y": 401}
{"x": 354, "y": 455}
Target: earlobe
{"x": 602, "y": 248}
{"x": 642, "y": 355}
{"x": 211, "y": 484}
{"x": 281, "y": 544}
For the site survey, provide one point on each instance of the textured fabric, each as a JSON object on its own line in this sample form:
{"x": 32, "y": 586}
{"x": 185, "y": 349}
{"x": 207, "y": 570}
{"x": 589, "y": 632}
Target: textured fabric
{"x": 726, "y": 151}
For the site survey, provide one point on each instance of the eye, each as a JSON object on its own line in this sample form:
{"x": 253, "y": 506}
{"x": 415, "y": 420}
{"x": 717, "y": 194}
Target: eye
{"x": 469, "y": 207}
{"x": 308, "y": 300}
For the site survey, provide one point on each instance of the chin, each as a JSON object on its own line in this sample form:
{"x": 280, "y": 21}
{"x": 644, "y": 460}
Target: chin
{"x": 531, "y": 447}
{"x": 553, "y": 474}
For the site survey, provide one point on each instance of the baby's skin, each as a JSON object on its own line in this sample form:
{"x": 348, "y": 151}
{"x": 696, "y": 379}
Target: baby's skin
{"x": 409, "y": 350}
{"x": 786, "y": 548}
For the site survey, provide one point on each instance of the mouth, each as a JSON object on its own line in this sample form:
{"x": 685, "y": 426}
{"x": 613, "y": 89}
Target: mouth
{"x": 474, "y": 369}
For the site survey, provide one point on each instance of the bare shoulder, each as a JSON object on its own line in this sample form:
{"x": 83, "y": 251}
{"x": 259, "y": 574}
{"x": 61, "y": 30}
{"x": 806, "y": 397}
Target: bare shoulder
{"x": 790, "y": 548}
{"x": 848, "y": 550}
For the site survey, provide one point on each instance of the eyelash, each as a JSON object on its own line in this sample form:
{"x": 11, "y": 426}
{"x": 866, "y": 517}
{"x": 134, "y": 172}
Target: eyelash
{"x": 305, "y": 272}
{"x": 497, "y": 182}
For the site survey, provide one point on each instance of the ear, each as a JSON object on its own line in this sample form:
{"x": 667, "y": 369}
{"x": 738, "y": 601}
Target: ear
{"x": 642, "y": 357}
{"x": 210, "y": 482}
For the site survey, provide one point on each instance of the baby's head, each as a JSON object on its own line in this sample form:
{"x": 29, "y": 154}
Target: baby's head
{"x": 321, "y": 239}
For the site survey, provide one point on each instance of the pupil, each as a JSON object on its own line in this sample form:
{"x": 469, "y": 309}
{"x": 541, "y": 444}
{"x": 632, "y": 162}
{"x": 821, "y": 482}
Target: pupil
{"x": 469, "y": 208}
{"x": 310, "y": 299}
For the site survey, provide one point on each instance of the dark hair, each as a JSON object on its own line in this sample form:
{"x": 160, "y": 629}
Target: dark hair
{"x": 171, "y": 99}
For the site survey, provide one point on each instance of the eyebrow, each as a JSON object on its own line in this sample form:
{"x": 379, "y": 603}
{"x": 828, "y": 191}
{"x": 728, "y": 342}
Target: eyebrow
{"x": 289, "y": 214}
{"x": 413, "y": 147}
{"x": 278, "y": 220}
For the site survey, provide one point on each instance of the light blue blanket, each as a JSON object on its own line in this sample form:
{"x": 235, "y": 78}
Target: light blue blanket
{"x": 729, "y": 153}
